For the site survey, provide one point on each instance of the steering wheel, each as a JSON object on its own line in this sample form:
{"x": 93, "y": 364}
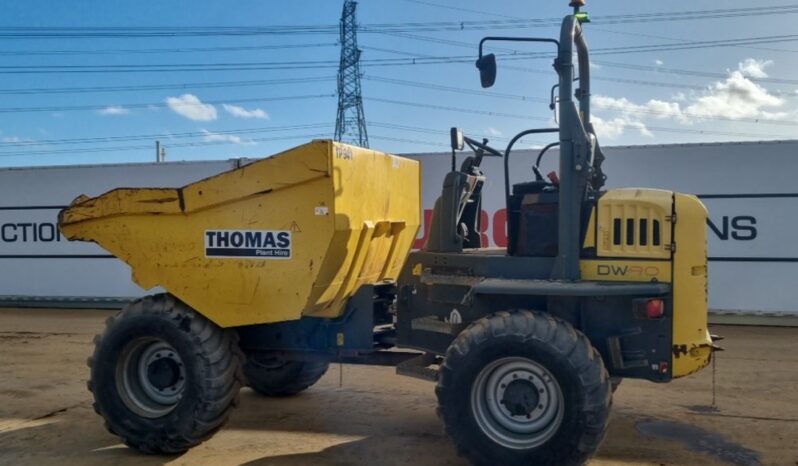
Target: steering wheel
{"x": 479, "y": 146}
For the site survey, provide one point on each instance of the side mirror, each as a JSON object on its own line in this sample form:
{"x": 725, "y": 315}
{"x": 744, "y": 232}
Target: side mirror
{"x": 487, "y": 69}
{"x": 458, "y": 141}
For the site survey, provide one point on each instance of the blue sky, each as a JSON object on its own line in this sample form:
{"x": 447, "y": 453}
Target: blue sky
{"x": 729, "y": 93}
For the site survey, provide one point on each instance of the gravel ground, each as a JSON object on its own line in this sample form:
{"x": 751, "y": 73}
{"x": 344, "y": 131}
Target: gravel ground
{"x": 378, "y": 418}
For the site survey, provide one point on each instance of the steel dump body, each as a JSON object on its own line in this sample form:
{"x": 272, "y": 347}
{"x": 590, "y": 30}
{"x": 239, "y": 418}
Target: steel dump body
{"x": 287, "y": 236}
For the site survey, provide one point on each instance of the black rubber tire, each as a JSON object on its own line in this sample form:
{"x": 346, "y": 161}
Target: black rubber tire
{"x": 282, "y": 377}
{"x": 565, "y": 352}
{"x": 213, "y": 375}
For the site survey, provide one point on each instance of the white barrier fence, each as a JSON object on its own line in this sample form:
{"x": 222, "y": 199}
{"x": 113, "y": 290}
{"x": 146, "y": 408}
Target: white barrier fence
{"x": 749, "y": 189}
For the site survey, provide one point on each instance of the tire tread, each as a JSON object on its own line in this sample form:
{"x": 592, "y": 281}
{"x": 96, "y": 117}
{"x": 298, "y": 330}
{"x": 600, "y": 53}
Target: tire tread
{"x": 573, "y": 347}
{"x": 220, "y": 355}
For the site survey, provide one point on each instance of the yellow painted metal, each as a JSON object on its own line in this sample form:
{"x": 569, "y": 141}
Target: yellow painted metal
{"x": 352, "y": 214}
{"x": 590, "y": 237}
{"x": 680, "y": 258}
{"x": 691, "y": 340}
{"x": 626, "y": 207}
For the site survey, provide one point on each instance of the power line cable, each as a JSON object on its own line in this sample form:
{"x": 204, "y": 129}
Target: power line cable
{"x": 616, "y": 107}
{"x": 160, "y": 104}
{"x": 445, "y": 133}
{"x": 158, "y": 87}
{"x": 167, "y": 136}
{"x": 459, "y": 90}
{"x": 684, "y": 72}
{"x": 460, "y": 8}
{"x": 262, "y": 66}
{"x": 536, "y": 118}
{"x": 677, "y": 40}
{"x": 163, "y": 50}
{"x": 171, "y": 146}
{"x": 436, "y": 26}
{"x": 592, "y": 28}
{"x": 418, "y": 60}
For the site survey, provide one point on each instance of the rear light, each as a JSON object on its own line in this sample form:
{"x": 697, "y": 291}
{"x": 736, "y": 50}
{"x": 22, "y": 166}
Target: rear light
{"x": 655, "y": 308}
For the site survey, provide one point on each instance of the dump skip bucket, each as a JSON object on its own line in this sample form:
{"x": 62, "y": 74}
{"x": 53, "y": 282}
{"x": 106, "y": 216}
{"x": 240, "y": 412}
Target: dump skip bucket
{"x": 287, "y": 236}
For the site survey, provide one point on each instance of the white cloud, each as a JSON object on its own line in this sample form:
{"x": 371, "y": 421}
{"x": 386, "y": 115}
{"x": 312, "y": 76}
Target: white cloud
{"x": 656, "y": 108}
{"x": 615, "y": 127}
{"x": 210, "y": 136}
{"x": 114, "y": 110}
{"x": 241, "y": 112}
{"x": 493, "y": 131}
{"x": 735, "y": 97}
{"x": 754, "y": 68}
{"x": 631, "y": 115}
{"x": 191, "y": 107}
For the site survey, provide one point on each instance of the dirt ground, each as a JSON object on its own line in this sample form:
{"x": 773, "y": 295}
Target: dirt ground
{"x": 377, "y": 417}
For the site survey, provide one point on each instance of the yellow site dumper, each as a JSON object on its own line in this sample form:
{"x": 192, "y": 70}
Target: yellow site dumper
{"x": 290, "y": 235}
{"x": 277, "y": 268}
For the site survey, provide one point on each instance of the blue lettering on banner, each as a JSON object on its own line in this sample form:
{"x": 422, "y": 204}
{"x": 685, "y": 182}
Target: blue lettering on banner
{"x": 259, "y": 244}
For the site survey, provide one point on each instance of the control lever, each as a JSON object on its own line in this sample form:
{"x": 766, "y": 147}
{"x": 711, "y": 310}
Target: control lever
{"x": 538, "y": 175}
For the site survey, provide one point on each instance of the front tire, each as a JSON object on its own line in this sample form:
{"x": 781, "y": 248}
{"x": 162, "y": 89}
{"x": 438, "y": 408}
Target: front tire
{"x": 523, "y": 388}
{"x": 164, "y": 377}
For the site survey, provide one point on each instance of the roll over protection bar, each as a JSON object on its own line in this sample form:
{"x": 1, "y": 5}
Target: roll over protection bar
{"x": 580, "y": 155}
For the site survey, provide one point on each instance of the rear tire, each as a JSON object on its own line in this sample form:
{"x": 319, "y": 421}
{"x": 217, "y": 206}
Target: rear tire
{"x": 274, "y": 376}
{"x": 524, "y": 388}
{"x": 164, "y": 377}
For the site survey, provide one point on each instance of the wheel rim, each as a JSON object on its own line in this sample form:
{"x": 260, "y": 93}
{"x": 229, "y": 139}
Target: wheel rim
{"x": 517, "y": 403}
{"x": 150, "y": 377}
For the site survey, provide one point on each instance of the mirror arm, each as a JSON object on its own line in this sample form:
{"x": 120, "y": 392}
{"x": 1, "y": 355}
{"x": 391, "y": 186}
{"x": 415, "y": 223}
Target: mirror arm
{"x": 517, "y": 39}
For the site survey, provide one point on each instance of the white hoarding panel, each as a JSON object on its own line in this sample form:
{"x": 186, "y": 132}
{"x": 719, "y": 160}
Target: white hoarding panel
{"x": 747, "y": 187}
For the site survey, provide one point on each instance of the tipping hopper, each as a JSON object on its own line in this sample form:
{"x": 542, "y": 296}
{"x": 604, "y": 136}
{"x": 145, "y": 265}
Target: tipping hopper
{"x": 287, "y": 236}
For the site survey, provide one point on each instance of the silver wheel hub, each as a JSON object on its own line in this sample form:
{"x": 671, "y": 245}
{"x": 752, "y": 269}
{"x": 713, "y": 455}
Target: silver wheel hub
{"x": 150, "y": 377}
{"x": 517, "y": 403}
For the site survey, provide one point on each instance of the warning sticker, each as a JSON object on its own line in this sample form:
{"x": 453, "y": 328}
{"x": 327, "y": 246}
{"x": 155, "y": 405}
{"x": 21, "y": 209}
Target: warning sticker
{"x": 254, "y": 244}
